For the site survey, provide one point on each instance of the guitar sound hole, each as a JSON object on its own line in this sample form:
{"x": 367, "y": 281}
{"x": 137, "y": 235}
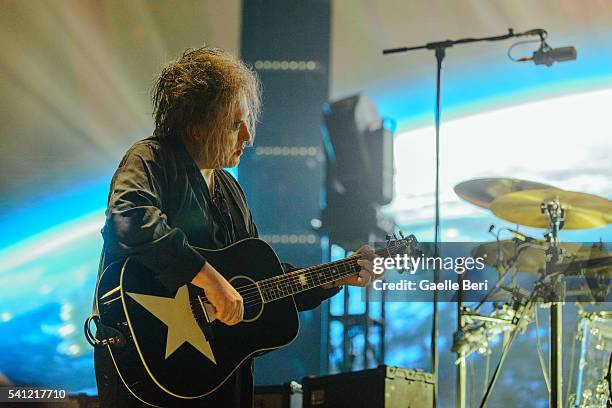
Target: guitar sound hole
{"x": 253, "y": 304}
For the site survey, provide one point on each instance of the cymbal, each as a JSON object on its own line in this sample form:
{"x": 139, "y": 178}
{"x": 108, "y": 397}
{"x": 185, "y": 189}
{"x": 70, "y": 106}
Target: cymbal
{"x": 532, "y": 256}
{"x": 583, "y": 210}
{"x": 482, "y": 192}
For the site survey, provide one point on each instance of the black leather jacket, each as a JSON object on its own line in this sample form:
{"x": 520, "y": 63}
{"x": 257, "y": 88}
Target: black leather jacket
{"x": 159, "y": 208}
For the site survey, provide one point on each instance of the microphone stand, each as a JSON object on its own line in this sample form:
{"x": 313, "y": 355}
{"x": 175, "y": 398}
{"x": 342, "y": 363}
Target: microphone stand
{"x": 440, "y": 52}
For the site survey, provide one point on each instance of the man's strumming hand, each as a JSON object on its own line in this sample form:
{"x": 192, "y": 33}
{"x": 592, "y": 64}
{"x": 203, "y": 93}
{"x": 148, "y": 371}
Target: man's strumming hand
{"x": 227, "y": 302}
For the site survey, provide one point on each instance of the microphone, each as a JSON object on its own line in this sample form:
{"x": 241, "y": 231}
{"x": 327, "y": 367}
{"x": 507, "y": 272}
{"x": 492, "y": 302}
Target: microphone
{"x": 547, "y": 56}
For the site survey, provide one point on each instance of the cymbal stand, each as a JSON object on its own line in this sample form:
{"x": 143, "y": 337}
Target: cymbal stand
{"x": 556, "y": 216}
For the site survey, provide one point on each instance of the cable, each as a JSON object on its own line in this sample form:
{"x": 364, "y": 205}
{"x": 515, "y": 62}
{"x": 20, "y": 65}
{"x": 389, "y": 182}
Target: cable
{"x": 509, "y": 52}
{"x": 91, "y": 339}
{"x": 108, "y": 335}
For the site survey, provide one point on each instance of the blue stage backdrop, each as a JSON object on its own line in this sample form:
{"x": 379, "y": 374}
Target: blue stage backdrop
{"x": 75, "y": 78}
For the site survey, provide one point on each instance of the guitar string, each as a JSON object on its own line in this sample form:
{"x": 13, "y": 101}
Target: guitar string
{"x": 268, "y": 284}
{"x": 294, "y": 288}
{"x": 199, "y": 313}
{"x": 254, "y": 300}
{"x": 251, "y": 292}
{"x": 249, "y": 303}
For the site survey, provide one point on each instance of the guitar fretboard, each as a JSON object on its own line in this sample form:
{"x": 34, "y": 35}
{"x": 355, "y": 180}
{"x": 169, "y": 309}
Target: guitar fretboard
{"x": 294, "y": 282}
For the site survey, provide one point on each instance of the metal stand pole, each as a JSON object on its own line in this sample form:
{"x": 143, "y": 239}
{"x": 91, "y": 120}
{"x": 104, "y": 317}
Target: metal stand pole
{"x": 440, "y": 54}
{"x": 556, "y": 356}
{"x": 556, "y": 215}
{"x": 461, "y": 366}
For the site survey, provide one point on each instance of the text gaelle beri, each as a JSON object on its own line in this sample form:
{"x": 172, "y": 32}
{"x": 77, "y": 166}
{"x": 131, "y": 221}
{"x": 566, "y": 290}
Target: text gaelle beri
{"x": 412, "y": 264}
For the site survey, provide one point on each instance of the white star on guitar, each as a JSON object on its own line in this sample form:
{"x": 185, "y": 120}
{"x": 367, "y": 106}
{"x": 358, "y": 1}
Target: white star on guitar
{"x": 176, "y": 314}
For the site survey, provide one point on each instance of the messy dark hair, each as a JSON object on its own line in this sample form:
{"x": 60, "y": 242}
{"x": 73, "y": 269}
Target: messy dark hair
{"x": 199, "y": 92}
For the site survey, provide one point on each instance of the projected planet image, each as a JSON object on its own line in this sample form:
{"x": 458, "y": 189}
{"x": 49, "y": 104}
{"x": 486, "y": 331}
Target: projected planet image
{"x": 46, "y": 287}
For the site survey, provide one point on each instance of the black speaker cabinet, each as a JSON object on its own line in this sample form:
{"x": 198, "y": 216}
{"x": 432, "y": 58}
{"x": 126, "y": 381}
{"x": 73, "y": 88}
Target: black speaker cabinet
{"x": 288, "y": 395}
{"x": 382, "y": 387}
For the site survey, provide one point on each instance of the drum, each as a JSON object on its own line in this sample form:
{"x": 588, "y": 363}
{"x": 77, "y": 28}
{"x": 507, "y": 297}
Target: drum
{"x": 594, "y": 337}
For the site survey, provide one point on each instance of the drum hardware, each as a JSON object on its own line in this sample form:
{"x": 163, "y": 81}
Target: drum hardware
{"x": 525, "y": 203}
{"x": 480, "y": 329}
{"x": 530, "y": 256}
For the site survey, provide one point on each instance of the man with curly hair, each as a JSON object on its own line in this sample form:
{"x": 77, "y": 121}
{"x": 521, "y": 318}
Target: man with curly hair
{"x": 171, "y": 194}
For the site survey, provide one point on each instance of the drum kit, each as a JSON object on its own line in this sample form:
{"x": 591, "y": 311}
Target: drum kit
{"x": 554, "y": 265}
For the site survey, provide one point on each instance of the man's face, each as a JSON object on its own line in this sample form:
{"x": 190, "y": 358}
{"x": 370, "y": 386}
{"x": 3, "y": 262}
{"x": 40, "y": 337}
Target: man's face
{"x": 238, "y": 135}
{"x": 231, "y": 138}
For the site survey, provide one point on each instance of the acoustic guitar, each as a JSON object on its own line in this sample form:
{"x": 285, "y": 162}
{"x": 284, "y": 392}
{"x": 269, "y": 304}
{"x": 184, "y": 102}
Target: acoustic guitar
{"x": 168, "y": 346}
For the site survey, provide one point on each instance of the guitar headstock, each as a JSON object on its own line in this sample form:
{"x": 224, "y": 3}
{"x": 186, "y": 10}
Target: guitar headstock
{"x": 399, "y": 245}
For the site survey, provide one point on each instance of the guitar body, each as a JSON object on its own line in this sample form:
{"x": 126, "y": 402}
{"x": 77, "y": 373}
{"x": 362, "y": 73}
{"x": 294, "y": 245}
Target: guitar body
{"x": 173, "y": 349}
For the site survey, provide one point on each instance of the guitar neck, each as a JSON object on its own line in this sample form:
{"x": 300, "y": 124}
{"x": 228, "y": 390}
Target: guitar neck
{"x": 301, "y": 280}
